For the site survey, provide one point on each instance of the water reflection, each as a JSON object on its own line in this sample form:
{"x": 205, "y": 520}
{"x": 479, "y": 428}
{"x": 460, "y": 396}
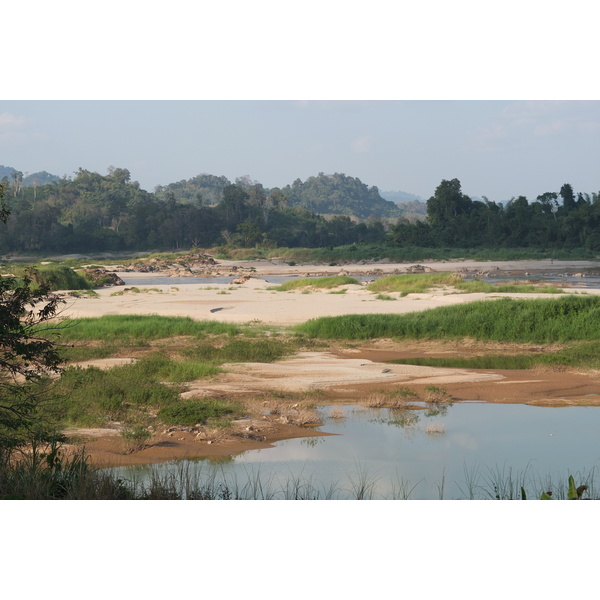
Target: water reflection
{"x": 449, "y": 452}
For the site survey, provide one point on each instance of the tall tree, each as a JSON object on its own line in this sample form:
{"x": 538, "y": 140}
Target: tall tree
{"x": 568, "y": 197}
{"x": 26, "y": 355}
{"x": 446, "y": 210}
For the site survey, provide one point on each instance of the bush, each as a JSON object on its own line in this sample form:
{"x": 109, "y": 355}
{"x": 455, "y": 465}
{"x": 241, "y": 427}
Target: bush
{"x": 192, "y": 412}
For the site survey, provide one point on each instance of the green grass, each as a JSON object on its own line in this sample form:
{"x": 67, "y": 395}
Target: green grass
{"x": 130, "y": 393}
{"x": 136, "y": 290}
{"x": 583, "y": 354}
{"x": 360, "y": 252}
{"x": 140, "y": 327}
{"x": 73, "y": 478}
{"x": 414, "y": 283}
{"x": 316, "y": 283}
{"x": 93, "y": 397}
{"x": 522, "y": 361}
{"x": 507, "y": 320}
{"x": 80, "y": 353}
{"x": 133, "y": 394}
{"x": 56, "y": 277}
{"x": 477, "y": 286}
{"x": 422, "y": 282}
{"x": 192, "y": 412}
{"x": 157, "y": 366}
{"x": 241, "y": 350}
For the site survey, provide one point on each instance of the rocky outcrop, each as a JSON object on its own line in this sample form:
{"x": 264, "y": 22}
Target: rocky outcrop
{"x": 419, "y": 269}
{"x": 188, "y": 265}
{"x": 102, "y": 278}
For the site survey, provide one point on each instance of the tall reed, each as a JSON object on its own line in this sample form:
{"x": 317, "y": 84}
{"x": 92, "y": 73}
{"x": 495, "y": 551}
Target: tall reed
{"x": 508, "y": 320}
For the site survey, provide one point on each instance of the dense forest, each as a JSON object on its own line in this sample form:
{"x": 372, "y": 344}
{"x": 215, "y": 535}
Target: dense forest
{"x": 94, "y": 213}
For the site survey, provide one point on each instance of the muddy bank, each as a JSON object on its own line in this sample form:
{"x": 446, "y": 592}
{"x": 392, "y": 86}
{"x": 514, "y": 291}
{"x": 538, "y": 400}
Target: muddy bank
{"x": 343, "y": 375}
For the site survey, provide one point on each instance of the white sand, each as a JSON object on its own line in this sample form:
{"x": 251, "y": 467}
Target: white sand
{"x": 254, "y": 302}
{"x": 309, "y": 371}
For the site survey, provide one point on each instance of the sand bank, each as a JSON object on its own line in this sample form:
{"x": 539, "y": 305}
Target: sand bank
{"x": 342, "y": 374}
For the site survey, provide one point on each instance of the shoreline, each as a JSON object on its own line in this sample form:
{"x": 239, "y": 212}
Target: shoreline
{"x": 342, "y": 374}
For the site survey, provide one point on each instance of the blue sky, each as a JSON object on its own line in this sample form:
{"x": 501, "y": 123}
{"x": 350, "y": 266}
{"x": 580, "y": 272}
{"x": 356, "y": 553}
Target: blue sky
{"x": 514, "y": 52}
{"x": 497, "y": 149}
{"x": 402, "y": 95}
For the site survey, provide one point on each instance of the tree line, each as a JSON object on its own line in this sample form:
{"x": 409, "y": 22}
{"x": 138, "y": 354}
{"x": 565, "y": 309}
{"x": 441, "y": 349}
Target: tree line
{"x": 554, "y": 220}
{"x": 94, "y": 213}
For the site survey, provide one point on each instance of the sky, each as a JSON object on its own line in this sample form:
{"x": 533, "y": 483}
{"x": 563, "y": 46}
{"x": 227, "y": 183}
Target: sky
{"x": 401, "y": 95}
{"x": 497, "y": 149}
{"x": 501, "y": 95}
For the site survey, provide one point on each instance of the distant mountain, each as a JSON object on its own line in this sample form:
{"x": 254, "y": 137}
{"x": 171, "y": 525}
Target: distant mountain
{"x": 204, "y": 188}
{"x": 336, "y": 194}
{"x": 339, "y": 194}
{"x": 39, "y": 178}
{"x": 399, "y": 197}
{"x": 413, "y": 207}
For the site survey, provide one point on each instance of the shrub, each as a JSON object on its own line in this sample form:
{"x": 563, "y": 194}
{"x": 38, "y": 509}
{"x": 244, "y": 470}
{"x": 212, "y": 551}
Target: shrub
{"x": 190, "y": 412}
{"x": 317, "y": 283}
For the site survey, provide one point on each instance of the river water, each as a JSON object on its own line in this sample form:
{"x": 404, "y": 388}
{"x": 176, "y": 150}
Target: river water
{"x": 591, "y": 282}
{"x": 466, "y": 451}
{"x": 469, "y": 450}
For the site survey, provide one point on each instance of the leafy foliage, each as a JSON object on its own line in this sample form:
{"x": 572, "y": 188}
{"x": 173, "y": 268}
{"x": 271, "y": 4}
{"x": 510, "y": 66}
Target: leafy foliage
{"x": 190, "y": 412}
{"x": 96, "y": 213}
{"x": 339, "y": 194}
{"x": 27, "y": 356}
{"x": 454, "y": 220}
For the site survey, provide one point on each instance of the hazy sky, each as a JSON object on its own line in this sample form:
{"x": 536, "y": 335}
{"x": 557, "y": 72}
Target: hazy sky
{"x": 497, "y": 149}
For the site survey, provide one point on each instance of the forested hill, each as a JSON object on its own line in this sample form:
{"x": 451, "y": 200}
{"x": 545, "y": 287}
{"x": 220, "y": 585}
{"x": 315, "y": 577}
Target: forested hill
{"x": 336, "y": 194}
{"x": 339, "y": 194}
{"x": 97, "y": 213}
{"x": 400, "y": 197}
{"x": 14, "y": 176}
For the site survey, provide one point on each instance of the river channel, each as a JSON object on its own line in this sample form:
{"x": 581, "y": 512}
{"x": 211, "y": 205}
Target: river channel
{"x": 468, "y": 450}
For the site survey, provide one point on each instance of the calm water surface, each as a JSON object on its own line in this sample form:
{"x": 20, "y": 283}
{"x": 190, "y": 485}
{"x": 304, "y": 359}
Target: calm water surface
{"x": 581, "y": 282}
{"x": 464, "y": 451}
{"x": 416, "y": 454}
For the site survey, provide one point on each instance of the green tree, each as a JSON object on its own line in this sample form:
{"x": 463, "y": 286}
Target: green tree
{"x": 26, "y": 357}
{"x": 549, "y": 203}
{"x": 568, "y": 197}
{"x": 447, "y": 212}
{"x": 247, "y": 235}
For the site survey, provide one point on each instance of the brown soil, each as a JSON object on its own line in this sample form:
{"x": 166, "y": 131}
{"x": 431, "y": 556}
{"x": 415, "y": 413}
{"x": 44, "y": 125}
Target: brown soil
{"x": 348, "y": 374}
{"x": 105, "y": 448}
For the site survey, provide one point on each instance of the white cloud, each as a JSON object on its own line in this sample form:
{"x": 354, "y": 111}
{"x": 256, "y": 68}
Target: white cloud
{"x": 9, "y": 121}
{"x": 589, "y": 126}
{"x": 15, "y": 129}
{"x": 552, "y": 117}
{"x": 487, "y": 138}
{"x": 362, "y": 145}
{"x": 531, "y": 112}
{"x": 550, "y": 128}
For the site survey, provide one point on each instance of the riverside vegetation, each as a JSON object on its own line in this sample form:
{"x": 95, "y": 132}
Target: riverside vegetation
{"x": 169, "y": 353}
{"x": 110, "y": 213}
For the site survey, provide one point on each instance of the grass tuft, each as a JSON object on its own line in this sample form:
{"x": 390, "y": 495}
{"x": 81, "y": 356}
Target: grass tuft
{"x": 545, "y": 320}
{"x": 316, "y": 283}
{"x": 140, "y": 327}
